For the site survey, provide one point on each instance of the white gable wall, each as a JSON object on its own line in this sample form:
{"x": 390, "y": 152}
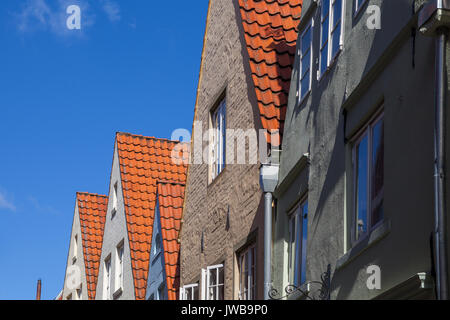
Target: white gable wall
{"x": 75, "y": 276}
{"x": 115, "y": 232}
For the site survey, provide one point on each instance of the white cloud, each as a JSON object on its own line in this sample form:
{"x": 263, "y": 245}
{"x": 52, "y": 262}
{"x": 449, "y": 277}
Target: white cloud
{"x": 40, "y": 207}
{"x": 112, "y": 10}
{"x": 5, "y": 203}
{"x": 39, "y": 15}
{"x": 34, "y": 12}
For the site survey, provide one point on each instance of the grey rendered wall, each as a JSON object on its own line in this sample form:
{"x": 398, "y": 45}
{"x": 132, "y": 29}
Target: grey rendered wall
{"x": 374, "y": 66}
{"x": 236, "y": 190}
{"x": 115, "y": 232}
{"x": 156, "y": 273}
{"x": 70, "y": 276}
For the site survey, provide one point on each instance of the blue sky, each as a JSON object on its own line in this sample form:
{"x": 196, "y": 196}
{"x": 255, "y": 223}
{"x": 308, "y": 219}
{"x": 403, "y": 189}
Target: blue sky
{"x": 133, "y": 67}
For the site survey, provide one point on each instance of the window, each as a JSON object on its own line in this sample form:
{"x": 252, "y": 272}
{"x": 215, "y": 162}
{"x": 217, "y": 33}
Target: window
{"x": 107, "y": 279}
{"x": 218, "y": 152}
{"x": 69, "y": 297}
{"x": 213, "y": 278}
{"x": 75, "y": 248}
{"x": 298, "y": 236}
{"x": 119, "y": 267}
{"x": 305, "y": 61}
{"x": 358, "y": 5}
{"x": 79, "y": 294}
{"x": 152, "y": 297}
{"x": 330, "y": 32}
{"x": 161, "y": 292}
{"x": 189, "y": 292}
{"x": 368, "y": 173}
{"x": 247, "y": 274}
{"x": 157, "y": 246}
{"x": 114, "y": 205}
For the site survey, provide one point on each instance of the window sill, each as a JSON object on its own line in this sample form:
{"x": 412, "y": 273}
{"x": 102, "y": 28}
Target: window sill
{"x": 118, "y": 293}
{"x": 377, "y": 234}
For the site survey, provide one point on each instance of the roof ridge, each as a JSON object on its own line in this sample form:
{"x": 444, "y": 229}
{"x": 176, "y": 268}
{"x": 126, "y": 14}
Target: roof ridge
{"x": 146, "y": 137}
{"x": 92, "y": 194}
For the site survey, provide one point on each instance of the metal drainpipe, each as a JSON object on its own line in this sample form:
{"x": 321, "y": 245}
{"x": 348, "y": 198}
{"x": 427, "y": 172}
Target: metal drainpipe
{"x": 440, "y": 203}
{"x": 268, "y": 181}
{"x": 267, "y": 243}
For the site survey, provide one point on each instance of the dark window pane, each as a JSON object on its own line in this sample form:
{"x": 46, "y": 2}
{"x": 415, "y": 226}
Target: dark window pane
{"x": 337, "y": 11}
{"x": 377, "y": 172}
{"x": 306, "y": 63}
{"x": 212, "y": 277}
{"x": 325, "y": 7}
{"x": 325, "y": 31}
{"x": 221, "y": 275}
{"x": 361, "y": 187}
{"x": 305, "y": 84}
{"x": 304, "y": 242}
{"x": 298, "y": 247}
{"x": 336, "y": 41}
{"x": 196, "y": 296}
{"x": 306, "y": 40}
{"x": 324, "y": 59}
{"x": 360, "y": 2}
{"x": 291, "y": 243}
{"x": 220, "y": 292}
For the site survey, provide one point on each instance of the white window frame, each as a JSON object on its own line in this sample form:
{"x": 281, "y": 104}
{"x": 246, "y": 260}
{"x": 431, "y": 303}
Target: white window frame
{"x": 249, "y": 254}
{"x": 297, "y": 248}
{"x": 206, "y": 282}
{"x": 188, "y": 289}
{"x": 118, "y": 281}
{"x": 358, "y": 4}
{"x": 107, "y": 278}
{"x": 331, "y": 58}
{"x": 308, "y": 27}
{"x": 218, "y": 145}
{"x": 365, "y": 131}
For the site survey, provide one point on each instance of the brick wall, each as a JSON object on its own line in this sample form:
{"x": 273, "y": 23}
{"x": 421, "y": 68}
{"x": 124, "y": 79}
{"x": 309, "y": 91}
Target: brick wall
{"x": 225, "y": 68}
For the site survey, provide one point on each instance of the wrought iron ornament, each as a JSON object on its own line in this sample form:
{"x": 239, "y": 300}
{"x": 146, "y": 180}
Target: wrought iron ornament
{"x": 320, "y": 290}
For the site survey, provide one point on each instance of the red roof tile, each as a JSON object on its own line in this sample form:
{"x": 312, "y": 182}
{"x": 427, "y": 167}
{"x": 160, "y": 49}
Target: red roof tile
{"x": 270, "y": 32}
{"x": 143, "y": 161}
{"x": 170, "y": 199}
{"x": 92, "y": 211}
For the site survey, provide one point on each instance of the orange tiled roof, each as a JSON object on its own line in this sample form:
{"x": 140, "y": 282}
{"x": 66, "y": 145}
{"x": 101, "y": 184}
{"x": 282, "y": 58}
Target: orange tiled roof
{"x": 270, "y": 32}
{"x": 144, "y": 161}
{"x": 170, "y": 199}
{"x": 92, "y": 212}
